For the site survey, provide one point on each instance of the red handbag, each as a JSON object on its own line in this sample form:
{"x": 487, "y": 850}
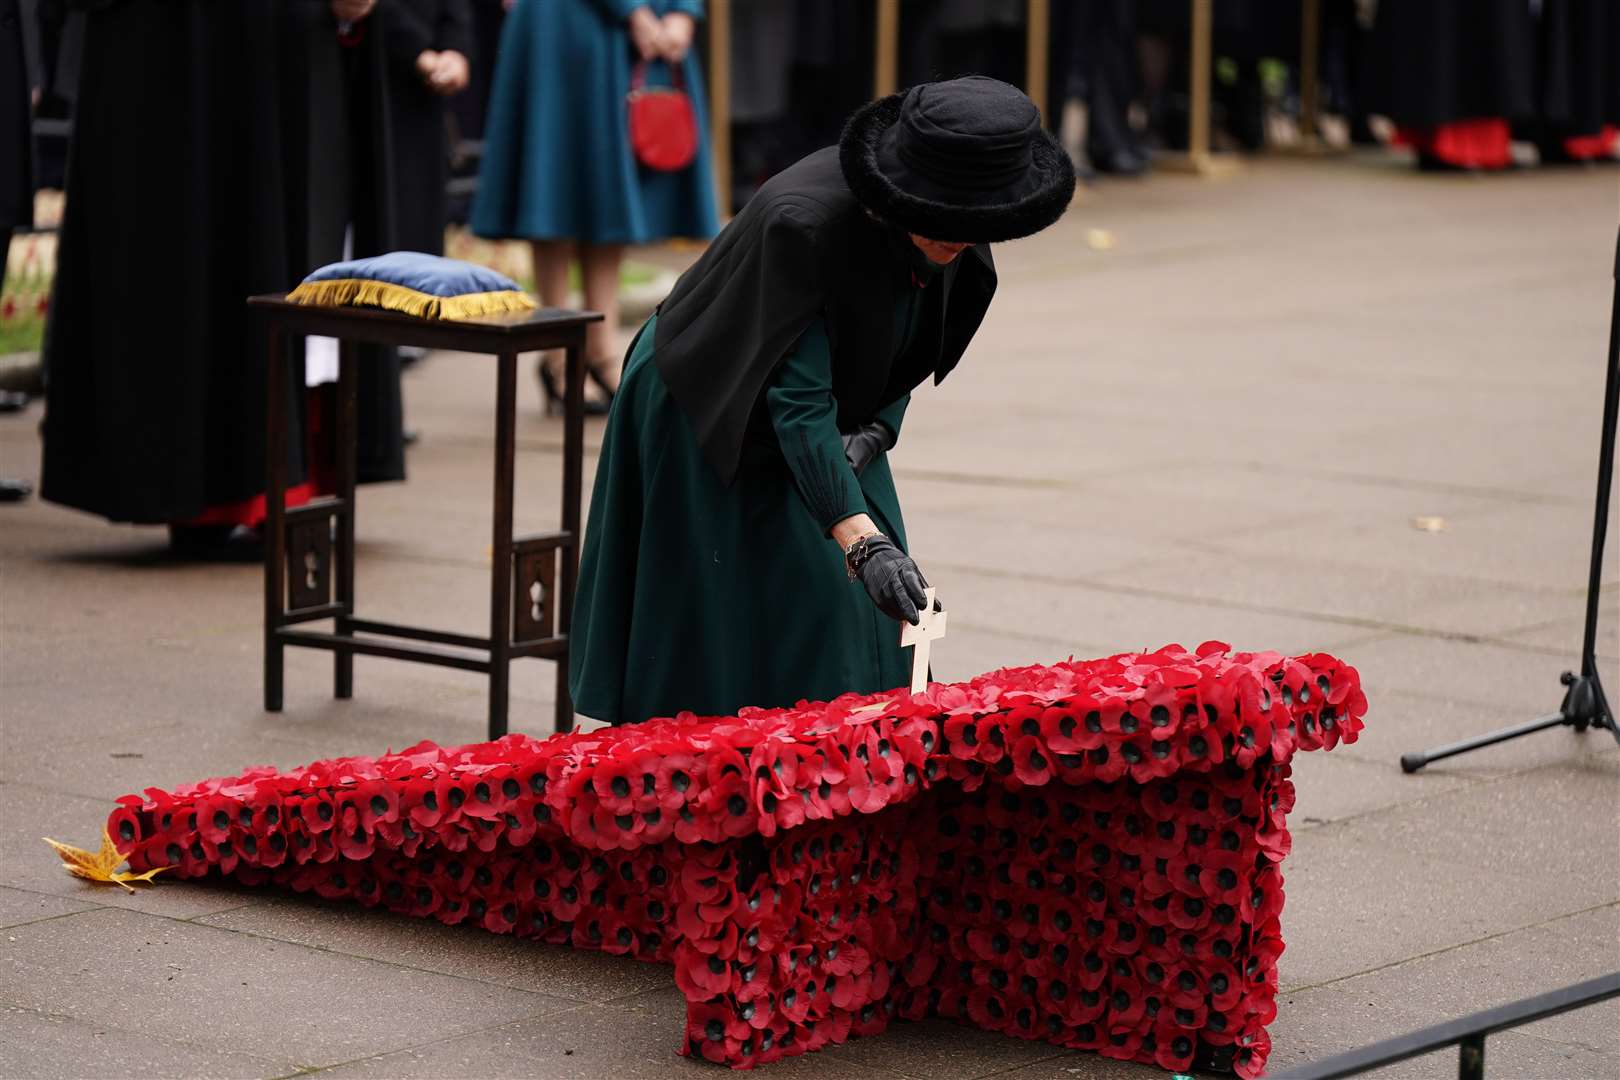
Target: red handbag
{"x": 663, "y": 127}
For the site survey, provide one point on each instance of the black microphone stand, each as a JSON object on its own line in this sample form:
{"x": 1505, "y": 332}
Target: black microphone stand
{"x": 1585, "y": 704}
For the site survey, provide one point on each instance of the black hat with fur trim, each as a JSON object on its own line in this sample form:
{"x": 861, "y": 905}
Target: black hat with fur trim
{"x": 964, "y": 160}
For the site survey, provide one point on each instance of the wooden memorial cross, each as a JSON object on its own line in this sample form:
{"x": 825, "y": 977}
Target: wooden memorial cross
{"x": 920, "y": 638}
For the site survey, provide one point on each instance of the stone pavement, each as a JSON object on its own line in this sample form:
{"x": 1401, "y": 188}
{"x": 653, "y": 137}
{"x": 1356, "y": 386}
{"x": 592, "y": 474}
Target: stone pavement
{"x": 1223, "y": 426}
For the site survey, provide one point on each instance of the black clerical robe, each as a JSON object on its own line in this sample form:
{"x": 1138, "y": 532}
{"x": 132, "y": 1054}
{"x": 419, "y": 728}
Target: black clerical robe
{"x": 220, "y": 150}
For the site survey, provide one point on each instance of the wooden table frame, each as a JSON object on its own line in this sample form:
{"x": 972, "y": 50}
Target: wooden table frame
{"x": 309, "y": 550}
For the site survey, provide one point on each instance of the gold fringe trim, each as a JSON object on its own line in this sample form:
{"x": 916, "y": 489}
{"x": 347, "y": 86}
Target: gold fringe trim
{"x": 339, "y": 292}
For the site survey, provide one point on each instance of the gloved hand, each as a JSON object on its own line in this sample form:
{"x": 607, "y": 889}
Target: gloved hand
{"x": 892, "y": 580}
{"x": 865, "y": 443}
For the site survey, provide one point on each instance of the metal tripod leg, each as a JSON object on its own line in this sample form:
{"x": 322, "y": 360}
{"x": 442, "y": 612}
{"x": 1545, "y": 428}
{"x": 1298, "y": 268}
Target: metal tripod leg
{"x": 1585, "y": 704}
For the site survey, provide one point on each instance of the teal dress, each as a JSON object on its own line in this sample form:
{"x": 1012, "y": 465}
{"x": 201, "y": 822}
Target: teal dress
{"x": 557, "y": 161}
{"x": 698, "y": 597}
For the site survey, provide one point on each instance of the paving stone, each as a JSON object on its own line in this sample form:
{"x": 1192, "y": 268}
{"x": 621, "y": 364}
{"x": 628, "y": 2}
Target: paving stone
{"x": 969, "y": 650}
{"x": 1532, "y": 544}
{"x": 1417, "y": 993}
{"x": 1399, "y": 722}
{"x": 1460, "y": 866}
{"x": 460, "y": 951}
{"x": 26, "y": 863}
{"x": 1334, "y": 786}
{"x": 1564, "y": 636}
{"x": 586, "y": 1043}
{"x": 1328, "y": 1024}
{"x": 48, "y": 1045}
{"x": 996, "y": 600}
{"x": 167, "y": 754}
{"x": 944, "y": 1050}
{"x": 231, "y": 993}
{"x": 1468, "y": 673}
{"x": 1309, "y": 583}
{"x": 1078, "y": 1065}
{"x": 18, "y": 906}
{"x": 943, "y": 539}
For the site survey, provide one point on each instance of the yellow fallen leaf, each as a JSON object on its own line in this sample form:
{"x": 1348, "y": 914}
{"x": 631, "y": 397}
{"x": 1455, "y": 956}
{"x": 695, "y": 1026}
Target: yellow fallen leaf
{"x": 1429, "y": 523}
{"x": 102, "y": 865}
{"x": 1100, "y": 239}
{"x": 82, "y": 863}
{"x": 124, "y": 877}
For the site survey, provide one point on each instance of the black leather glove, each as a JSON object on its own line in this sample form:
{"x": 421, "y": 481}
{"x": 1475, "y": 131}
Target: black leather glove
{"x": 892, "y": 580}
{"x": 865, "y": 443}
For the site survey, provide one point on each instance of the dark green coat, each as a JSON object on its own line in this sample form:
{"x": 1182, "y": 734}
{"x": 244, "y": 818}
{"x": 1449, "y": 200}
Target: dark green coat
{"x": 698, "y": 596}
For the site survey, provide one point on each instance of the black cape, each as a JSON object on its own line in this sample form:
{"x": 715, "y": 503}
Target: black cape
{"x": 803, "y": 247}
{"x": 219, "y": 150}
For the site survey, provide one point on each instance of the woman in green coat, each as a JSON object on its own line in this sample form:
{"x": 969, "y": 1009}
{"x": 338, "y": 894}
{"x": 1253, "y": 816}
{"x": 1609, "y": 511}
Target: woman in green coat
{"x": 745, "y": 544}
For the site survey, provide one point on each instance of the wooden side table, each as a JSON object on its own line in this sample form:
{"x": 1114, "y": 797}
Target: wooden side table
{"x": 309, "y": 550}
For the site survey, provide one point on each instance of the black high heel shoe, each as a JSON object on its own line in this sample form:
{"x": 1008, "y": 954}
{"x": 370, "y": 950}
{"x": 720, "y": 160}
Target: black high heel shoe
{"x": 601, "y": 383}
{"x": 556, "y": 404}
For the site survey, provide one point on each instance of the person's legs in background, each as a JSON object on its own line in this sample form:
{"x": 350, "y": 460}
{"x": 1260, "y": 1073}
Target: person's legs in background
{"x": 599, "y": 265}
{"x": 552, "y": 259}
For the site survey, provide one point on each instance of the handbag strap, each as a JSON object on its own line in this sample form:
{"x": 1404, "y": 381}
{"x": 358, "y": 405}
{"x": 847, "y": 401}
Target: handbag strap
{"x": 638, "y": 76}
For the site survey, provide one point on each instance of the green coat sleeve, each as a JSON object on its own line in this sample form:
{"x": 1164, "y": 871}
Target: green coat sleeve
{"x": 891, "y": 416}
{"x": 799, "y": 398}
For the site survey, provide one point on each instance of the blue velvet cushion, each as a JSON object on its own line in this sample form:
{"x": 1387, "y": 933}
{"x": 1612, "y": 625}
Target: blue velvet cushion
{"x": 428, "y": 286}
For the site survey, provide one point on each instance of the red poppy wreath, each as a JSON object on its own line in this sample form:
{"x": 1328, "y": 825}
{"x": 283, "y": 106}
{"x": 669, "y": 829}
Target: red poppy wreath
{"x": 1086, "y": 853}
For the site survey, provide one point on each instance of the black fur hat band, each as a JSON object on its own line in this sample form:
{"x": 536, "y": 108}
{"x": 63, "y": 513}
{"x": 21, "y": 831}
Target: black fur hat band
{"x": 964, "y": 160}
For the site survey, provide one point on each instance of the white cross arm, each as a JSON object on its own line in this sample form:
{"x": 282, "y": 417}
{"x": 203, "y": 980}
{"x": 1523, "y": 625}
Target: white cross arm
{"x": 920, "y": 639}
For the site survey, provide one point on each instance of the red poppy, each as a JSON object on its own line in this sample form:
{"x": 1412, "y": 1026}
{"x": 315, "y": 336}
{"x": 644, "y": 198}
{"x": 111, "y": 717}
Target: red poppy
{"x": 917, "y": 737}
{"x": 962, "y": 736}
{"x": 216, "y": 814}
{"x": 1275, "y": 843}
{"x": 425, "y": 800}
{"x": 1221, "y": 884}
{"x": 866, "y": 794}
{"x": 987, "y": 1008}
{"x": 484, "y": 834}
{"x": 1122, "y": 1043}
{"x": 724, "y": 764}
{"x": 1065, "y": 731}
{"x": 353, "y": 841}
{"x": 124, "y": 826}
{"x": 1032, "y": 762}
{"x": 1173, "y": 1046}
{"x": 1093, "y": 970}
{"x": 1253, "y": 1050}
{"x": 1261, "y": 966}
{"x": 708, "y": 1031}
{"x": 316, "y": 812}
{"x": 372, "y": 801}
{"x": 991, "y": 738}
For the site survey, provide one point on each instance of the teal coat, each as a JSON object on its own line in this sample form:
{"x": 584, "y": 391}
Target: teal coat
{"x": 699, "y": 596}
{"x": 557, "y": 161}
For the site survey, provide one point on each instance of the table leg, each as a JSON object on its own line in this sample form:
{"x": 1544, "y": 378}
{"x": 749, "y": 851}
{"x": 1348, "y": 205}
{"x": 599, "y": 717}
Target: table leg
{"x": 500, "y": 604}
{"x": 343, "y": 439}
{"x": 573, "y": 482}
{"x": 1203, "y": 22}
{"x": 275, "y": 492}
